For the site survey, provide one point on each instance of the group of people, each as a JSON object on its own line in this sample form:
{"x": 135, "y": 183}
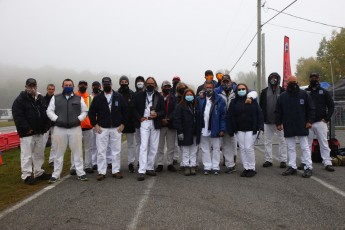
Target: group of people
{"x": 219, "y": 118}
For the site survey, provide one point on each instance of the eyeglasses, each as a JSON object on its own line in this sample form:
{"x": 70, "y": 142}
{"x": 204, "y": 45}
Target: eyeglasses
{"x": 242, "y": 89}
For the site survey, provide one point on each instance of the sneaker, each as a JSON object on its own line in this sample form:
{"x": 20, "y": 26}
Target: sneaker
{"x": 230, "y": 170}
{"x": 30, "y": 180}
{"x": 89, "y": 170}
{"x": 159, "y": 168}
{"x": 100, "y": 177}
{"x": 175, "y": 162}
{"x": 250, "y": 173}
{"x": 94, "y": 167}
{"x": 283, "y": 165}
{"x": 110, "y": 166}
{"x": 171, "y": 168}
{"x": 72, "y": 172}
{"x": 83, "y": 178}
{"x": 289, "y": 171}
{"x": 187, "y": 171}
{"x": 267, "y": 164}
{"x": 141, "y": 177}
{"x": 329, "y": 168}
{"x": 307, "y": 173}
{"x": 301, "y": 166}
{"x": 44, "y": 176}
{"x": 216, "y": 172}
{"x": 192, "y": 171}
{"x": 244, "y": 173}
{"x": 131, "y": 168}
{"x": 52, "y": 180}
{"x": 151, "y": 173}
{"x": 118, "y": 175}
{"x": 206, "y": 172}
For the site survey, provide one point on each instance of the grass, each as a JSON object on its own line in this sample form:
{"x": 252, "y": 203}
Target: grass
{"x": 6, "y": 123}
{"x": 12, "y": 188}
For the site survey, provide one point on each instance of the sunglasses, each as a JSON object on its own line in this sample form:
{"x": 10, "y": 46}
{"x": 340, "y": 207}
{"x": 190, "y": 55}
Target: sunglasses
{"x": 241, "y": 89}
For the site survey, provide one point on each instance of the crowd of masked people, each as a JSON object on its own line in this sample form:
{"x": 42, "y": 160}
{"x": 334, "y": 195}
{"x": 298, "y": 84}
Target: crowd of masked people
{"x": 170, "y": 122}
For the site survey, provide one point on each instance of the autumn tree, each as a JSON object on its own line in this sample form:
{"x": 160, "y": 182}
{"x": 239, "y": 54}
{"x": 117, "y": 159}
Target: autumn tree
{"x": 305, "y": 66}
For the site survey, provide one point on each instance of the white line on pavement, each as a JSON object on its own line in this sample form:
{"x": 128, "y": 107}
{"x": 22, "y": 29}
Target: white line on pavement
{"x": 134, "y": 223}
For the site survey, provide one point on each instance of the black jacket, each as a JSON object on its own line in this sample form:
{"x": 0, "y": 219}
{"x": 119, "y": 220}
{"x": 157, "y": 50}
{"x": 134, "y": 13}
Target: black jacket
{"x": 139, "y": 108}
{"x": 47, "y": 99}
{"x": 324, "y": 104}
{"x": 185, "y": 122}
{"x": 169, "y": 105}
{"x": 294, "y": 110}
{"x": 128, "y": 95}
{"x": 30, "y": 116}
{"x": 100, "y": 114}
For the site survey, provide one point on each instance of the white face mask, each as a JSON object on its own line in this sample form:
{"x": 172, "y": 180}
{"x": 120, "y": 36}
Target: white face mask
{"x": 140, "y": 85}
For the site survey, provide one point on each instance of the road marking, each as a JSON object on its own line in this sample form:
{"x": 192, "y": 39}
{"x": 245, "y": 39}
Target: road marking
{"x": 134, "y": 223}
{"x": 31, "y": 198}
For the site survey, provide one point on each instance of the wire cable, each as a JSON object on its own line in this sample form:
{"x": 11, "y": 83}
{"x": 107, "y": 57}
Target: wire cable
{"x": 297, "y": 29}
{"x": 279, "y": 12}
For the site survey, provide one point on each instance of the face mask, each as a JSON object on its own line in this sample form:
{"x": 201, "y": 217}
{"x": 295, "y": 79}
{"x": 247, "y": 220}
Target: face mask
{"x": 314, "y": 83}
{"x": 189, "y": 98}
{"x": 32, "y": 91}
{"x": 140, "y": 85}
{"x": 107, "y": 88}
{"x": 82, "y": 89}
{"x": 209, "y": 78}
{"x": 209, "y": 92}
{"x": 96, "y": 90}
{"x": 150, "y": 88}
{"x": 242, "y": 93}
{"x": 166, "y": 91}
{"x": 68, "y": 89}
{"x": 175, "y": 83}
{"x": 292, "y": 87}
{"x": 219, "y": 77}
{"x": 273, "y": 81}
{"x": 124, "y": 86}
{"x": 181, "y": 91}
{"x": 226, "y": 87}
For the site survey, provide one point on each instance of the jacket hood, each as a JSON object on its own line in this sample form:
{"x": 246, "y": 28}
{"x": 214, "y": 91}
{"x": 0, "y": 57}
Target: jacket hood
{"x": 271, "y": 75}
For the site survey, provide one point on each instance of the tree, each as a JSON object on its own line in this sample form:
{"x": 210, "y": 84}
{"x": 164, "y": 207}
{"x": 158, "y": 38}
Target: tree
{"x": 305, "y": 66}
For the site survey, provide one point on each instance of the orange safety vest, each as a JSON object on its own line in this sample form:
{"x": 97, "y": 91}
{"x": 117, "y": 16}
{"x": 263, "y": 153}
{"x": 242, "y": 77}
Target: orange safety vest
{"x": 86, "y": 124}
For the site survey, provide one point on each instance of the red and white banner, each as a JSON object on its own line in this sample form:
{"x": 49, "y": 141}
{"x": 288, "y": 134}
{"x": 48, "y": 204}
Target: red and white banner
{"x": 286, "y": 65}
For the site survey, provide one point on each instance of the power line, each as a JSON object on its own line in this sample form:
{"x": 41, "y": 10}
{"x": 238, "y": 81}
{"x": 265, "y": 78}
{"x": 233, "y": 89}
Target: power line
{"x": 297, "y": 29}
{"x": 279, "y": 12}
{"x": 244, "y": 52}
{"x": 309, "y": 20}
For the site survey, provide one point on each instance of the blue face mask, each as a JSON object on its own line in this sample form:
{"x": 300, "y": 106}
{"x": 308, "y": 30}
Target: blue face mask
{"x": 68, "y": 89}
{"x": 189, "y": 98}
{"x": 242, "y": 93}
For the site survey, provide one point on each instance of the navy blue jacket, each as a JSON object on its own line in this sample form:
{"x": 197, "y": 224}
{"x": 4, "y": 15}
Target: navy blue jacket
{"x": 324, "y": 104}
{"x": 185, "y": 123}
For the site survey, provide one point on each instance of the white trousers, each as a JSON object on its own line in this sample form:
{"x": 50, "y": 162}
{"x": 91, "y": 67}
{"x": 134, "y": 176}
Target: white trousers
{"x": 73, "y": 138}
{"x": 229, "y": 149}
{"x": 306, "y": 154}
{"x": 53, "y": 144}
{"x": 137, "y": 141}
{"x": 270, "y": 131}
{"x": 94, "y": 149}
{"x": 189, "y": 154}
{"x": 320, "y": 130}
{"x": 177, "y": 150}
{"x": 132, "y": 154}
{"x": 210, "y": 163}
{"x": 167, "y": 136}
{"x": 32, "y": 154}
{"x": 246, "y": 144}
{"x": 88, "y": 136}
{"x": 112, "y": 138}
{"x": 149, "y": 137}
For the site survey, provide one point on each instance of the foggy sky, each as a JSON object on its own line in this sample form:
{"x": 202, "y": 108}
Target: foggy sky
{"x": 158, "y": 38}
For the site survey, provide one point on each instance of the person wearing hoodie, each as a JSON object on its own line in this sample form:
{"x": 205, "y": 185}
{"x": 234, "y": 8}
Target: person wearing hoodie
{"x": 212, "y": 126}
{"x": 295, "y": 113}
{"x": 268, "y": 101}
{"x": 148, "y": 110}
{"x": 30, "y": 118}
{"x": 129, "y": 129}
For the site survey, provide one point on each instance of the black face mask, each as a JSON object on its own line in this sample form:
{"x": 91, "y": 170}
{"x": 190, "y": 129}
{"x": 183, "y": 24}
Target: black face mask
{"x": 273, "y": 81}
{"x": 107, "y": 88}
{"x": 124, "y": 86}
{"x": 150, "y": 88}
{"x": 292, "y": 87}
{"x": 226, "y": 88}
{"x": 82, "y": 89}
{"x": 181, "y": 91}
{"x": 209, "y": 92}
{"x": 96, "y": 90}
{"x": 314, "y": 83}
{"x": 166, "y": 91}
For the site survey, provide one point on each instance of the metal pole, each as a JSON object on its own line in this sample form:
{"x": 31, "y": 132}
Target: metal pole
{"x": 332, "y": 126}
{"x": 258, "y": 63}
{"x": 263, "y": 74}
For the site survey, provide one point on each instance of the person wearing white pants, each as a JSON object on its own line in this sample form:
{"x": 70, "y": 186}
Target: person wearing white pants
{"x": 305, "y": 156}
{"x": 270, "y": 131}
{"x": 47, "y": 98}
{"x": 148, "y": 112}
{"x": 67, "y": 110}
{"x": 324, "y": 108}
{"x": 30, "y": 118}
{"x": 108, "y": 115}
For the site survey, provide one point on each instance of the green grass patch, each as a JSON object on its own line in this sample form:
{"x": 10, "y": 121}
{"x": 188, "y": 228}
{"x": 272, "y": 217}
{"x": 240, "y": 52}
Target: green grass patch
{"x": 6, "y": 123}
{"x": 12, "y": 187}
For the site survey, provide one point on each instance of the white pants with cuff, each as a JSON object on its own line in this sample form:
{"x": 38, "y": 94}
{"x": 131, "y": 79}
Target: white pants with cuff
{"x": 246, "y": 144}
{"x": 270, "y": 131}
{"x": 167, "y": 136}
{"x": 305, "y": 156}
{"x": 229, "y": 149}
{"x": 210, "y": 163}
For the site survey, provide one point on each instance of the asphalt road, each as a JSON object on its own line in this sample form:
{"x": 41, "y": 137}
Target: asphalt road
{"x": 7, "y": 129}
{"x": 174, "y": 201}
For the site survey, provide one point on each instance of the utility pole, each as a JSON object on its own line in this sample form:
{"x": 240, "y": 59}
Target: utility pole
{"x": 263, "y": 72}
{"x": 258, "y": 63}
